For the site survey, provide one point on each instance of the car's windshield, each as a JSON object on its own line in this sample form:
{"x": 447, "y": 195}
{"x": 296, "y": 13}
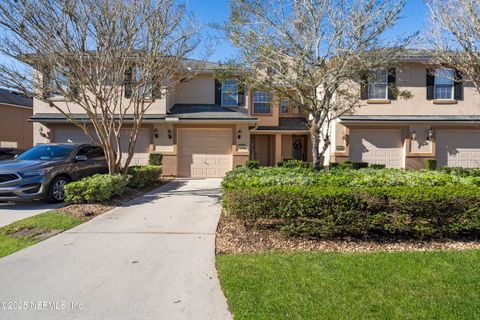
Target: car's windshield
{"x": 47, "y": 152}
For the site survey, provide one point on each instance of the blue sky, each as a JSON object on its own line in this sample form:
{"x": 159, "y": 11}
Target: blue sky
{"x": 215, "y": 11}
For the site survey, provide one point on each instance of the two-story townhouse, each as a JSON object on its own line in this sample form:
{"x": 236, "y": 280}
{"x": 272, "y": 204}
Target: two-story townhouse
{"x": 15, "y": 130}
{"x": 202, "y": 127}
{"x": 439, "y": 121}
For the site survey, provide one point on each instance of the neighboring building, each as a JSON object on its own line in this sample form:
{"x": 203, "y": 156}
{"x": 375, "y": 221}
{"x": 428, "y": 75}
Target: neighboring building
{"x": 441, "y": 121}
{"x": 15, "y": 130}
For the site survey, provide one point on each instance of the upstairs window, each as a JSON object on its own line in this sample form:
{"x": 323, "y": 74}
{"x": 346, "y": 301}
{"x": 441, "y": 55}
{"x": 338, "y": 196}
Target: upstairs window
{"x": 378, "y": 85}
{"x": 444, "y": 79}
{"x": 261, "y": 102}
{"x": 229, "y": 93}
{"x": 284, "y": 106}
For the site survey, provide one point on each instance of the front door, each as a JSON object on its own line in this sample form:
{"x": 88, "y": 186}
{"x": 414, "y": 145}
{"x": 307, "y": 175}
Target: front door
{"x": 298, "y": 145}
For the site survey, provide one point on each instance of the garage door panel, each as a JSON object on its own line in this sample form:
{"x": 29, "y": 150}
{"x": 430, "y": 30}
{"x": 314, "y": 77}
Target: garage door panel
{"x": 458, "y": 148}
{"x": 76, "y": 135}
{"x": 377, "y": 146}
{"x": 204, "y": 153}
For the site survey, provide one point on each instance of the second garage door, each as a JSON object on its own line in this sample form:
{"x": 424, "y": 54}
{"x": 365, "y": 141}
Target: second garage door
{"x": 62, "y": 134}
{"x": 377, "y": 146}
{"x": 458, "y": 148}
{"x": 204, "y": 153}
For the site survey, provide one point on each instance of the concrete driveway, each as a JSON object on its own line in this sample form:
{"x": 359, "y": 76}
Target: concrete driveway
{"x": 152, "y": 259}
{"x": 11, "y": 212}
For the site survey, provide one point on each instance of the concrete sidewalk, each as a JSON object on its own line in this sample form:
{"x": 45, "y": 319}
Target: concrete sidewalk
{"x": 151, "y": 260}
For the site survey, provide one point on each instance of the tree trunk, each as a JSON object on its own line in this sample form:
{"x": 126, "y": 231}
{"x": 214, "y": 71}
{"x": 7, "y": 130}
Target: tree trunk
{"x": 316, "y": 156}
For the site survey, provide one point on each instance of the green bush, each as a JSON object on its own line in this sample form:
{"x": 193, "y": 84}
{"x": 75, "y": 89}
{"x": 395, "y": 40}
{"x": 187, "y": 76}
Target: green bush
{"x": 353, "y": 165}
{"x": 334, "y": 165}
{"x": 252, "y": 164}
{"x": 155, "y": 159}
{"x": 295, "y": 164}
{"x": 461, "y": 172}
{"x": 96, "y": 188}
{"x": 376, "y": 166}
{"x": 340, "y": 211}
{"x": 142, "y": 176}
{"x": 431, "y": 164}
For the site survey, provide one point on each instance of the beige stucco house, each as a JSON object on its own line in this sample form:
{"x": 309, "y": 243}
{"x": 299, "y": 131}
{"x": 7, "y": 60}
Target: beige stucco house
{"x": 206, "y": 126}
{"x": 440, "y": 121}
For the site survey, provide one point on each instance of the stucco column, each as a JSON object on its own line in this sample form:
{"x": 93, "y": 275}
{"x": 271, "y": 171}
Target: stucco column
{"x": 278, "y": 148}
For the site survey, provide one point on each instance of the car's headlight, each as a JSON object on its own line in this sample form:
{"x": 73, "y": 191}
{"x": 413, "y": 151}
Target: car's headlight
{"x": 37, "y": 172}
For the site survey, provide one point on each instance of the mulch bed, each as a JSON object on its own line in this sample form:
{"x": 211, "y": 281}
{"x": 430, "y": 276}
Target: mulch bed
{"x": 234, "y": 237}
{"x": 90, "y": 210}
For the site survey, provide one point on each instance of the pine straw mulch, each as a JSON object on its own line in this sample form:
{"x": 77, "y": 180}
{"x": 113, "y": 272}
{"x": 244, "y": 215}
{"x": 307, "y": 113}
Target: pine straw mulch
{"x": 91, "y": 210}
{"x": 234, "y": 237}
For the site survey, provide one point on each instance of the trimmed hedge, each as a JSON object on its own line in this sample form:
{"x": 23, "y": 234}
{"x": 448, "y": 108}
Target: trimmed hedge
{"x": 448, "y": 210}
{"x": 155, "y": 159}
{"x": 96, "y": 188}
{"x": 252, "y": 164}
{"x": 431, "y": 164}
{"x": 142, "y": 176}
{"x": 295, "y": 164}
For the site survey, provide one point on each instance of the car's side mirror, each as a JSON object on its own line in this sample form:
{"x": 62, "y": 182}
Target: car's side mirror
{"x": 81, "y": 158}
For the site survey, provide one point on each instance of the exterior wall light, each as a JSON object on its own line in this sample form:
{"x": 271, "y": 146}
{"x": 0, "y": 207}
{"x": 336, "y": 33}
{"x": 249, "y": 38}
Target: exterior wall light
{"x": 43, "y": 133}
{"x": 239, "y": 134}
{"x": 155, "y": 133}
{"x": 430, "y": 134}
{"x": 413, "y": 135}
{"x": 169, "y": 132}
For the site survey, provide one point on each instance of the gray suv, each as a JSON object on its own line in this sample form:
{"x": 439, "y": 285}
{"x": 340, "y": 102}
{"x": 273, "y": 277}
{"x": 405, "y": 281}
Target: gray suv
{"x": 43, "y": 171}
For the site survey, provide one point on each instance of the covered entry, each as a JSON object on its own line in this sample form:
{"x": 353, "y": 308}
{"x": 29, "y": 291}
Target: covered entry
{"x": 204, "y": 152}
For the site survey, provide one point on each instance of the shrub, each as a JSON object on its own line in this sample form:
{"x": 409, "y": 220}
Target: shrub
{"x": 295, "y": 164}
{"x": 252, "y": 164}
{"x": 155, "y": 159}
{"x": 461, "y": 172}
{"x": 431, "y": 164}
{"x": 376, "y": 166}
{"x": 340, "y": 211}
{"x": 142, "y": 176}
{"x": 96, "y": 188}
{"x": 333, "y": 165}
{"x": 353, "y": 165}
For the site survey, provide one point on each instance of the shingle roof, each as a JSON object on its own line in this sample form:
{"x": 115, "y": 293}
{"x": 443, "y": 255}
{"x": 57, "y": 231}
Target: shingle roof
{"x": 178, "y": 111}
{"x": 406, "y": 118}
{"x": 15, "y": 98}
{"x": 207, "y": 112}
{"x": 296, "y": 123}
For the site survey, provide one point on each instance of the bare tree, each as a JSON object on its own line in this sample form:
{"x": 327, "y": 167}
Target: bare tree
{"x": 106, "y": 59}
{"x": 311, "y": 51}
{"x": 454, "y": 36}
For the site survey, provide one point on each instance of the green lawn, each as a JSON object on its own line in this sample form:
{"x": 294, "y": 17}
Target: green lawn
{"x": 45, "y": 222}
{"x": 415, "y": 285}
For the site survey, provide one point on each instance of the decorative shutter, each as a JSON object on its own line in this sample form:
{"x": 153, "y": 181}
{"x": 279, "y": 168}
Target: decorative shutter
{"x": 127, "y": 82}
{"x": 241, "y": 93}
{"x": 458, "y": 86}
{"x": 364, "y": 86}
{"x": 218, "y": 92}
{"x": 430, "y": 84}
{"x": 392, "y": 80}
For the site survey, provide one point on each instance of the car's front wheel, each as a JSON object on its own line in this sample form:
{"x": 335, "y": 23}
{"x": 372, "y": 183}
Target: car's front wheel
{"x": 56, "y": 192}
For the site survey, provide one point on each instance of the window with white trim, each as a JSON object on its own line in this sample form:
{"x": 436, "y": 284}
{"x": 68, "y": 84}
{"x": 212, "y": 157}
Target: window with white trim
{"x": 144, "y": 84}
{"x": 261, "y": 102}
{"x": 229, "y": 93}
{"x": 284, "y": 106}
{"x": 378, "y": 84}
{"x": 444, "y": 83}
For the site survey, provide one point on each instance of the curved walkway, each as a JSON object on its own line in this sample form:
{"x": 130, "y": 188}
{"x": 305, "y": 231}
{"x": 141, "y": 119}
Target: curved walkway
{"x": 151, "y": 259}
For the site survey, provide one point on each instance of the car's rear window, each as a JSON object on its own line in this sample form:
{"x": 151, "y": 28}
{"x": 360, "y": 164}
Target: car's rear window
{"x": 47, "y": 152}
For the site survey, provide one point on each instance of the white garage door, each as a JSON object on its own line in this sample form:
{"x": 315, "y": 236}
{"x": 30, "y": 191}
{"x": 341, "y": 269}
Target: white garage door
{"x": 377, "y": 146}
{"x": 457, "y": 148}
{"x": 76, "y": 135}
{"x": 204, "y": 153}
